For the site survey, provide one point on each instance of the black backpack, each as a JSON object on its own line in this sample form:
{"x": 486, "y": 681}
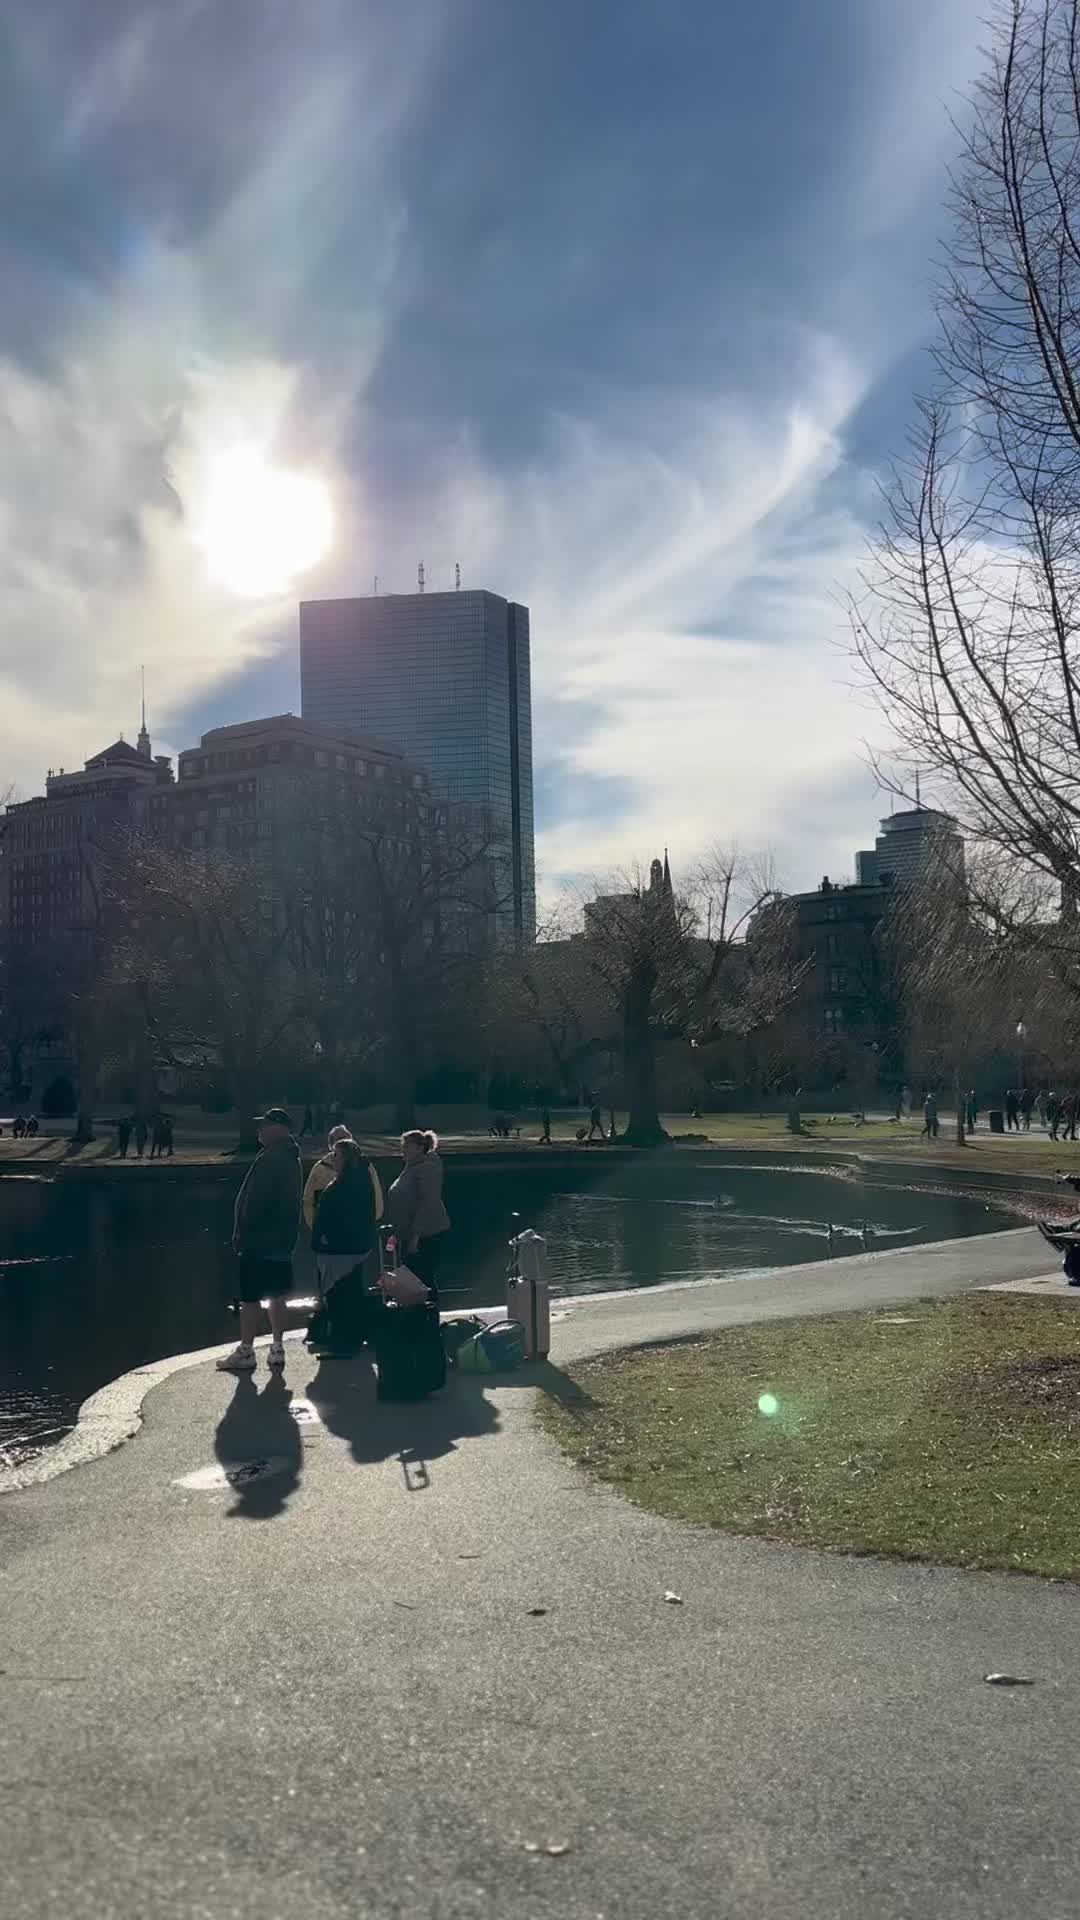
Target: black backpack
{"x": 345, "y": 1216}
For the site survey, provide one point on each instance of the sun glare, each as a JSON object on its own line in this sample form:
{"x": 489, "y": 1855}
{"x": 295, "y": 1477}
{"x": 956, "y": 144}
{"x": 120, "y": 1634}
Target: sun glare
{"x": 259, "y": 526}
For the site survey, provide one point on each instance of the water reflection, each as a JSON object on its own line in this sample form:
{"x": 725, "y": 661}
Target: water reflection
{"x": 98, "y": 1277}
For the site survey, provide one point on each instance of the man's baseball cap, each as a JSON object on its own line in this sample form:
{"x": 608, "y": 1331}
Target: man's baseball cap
{"x": 274, "y": 1117}
{"x": 338, "y": 1133}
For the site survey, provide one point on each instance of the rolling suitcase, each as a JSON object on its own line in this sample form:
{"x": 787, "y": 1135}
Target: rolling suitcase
{"x": 410, "y": 1360}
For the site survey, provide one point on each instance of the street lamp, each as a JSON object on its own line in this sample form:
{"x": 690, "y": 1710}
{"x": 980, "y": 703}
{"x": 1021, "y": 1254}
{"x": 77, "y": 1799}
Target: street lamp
{"x": 1021, "y": 1042}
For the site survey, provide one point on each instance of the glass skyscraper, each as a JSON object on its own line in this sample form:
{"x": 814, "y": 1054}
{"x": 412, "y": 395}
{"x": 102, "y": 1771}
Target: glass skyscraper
{"x": 444, "y": 678}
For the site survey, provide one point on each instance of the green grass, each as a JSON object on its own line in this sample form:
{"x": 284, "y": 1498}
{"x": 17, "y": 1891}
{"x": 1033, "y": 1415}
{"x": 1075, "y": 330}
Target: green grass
{"x": 944, "y": 1431}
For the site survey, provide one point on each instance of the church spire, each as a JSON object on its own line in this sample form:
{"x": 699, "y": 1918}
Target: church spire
{"x": 143, "y": 742}
{"x": 667, "y": 875}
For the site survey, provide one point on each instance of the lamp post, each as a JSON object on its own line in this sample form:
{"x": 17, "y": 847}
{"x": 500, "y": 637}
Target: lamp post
{"x": 1021, "y": 1044}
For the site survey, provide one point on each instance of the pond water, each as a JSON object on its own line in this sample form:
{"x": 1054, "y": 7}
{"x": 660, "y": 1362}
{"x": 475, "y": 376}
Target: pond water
{"x": 99, "y": 1277}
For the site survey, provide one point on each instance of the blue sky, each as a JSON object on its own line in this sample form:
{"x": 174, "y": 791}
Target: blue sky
{"x": 622, "y": 306}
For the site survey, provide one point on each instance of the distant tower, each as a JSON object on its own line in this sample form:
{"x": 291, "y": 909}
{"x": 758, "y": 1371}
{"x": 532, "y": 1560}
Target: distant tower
{"x": 457, "y": 576}
{"x": 143, "y": 741}
{"x": 420, "y": 578}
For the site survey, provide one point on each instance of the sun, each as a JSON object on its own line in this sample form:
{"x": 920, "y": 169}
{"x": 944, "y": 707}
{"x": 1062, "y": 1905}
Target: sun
{"x": 260, "y": 526}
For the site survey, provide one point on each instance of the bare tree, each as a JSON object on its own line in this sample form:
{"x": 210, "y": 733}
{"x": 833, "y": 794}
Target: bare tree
{"x": 968, "y": 625}
{"x": 203, "y": 946}
{"x": 677, "y": 966}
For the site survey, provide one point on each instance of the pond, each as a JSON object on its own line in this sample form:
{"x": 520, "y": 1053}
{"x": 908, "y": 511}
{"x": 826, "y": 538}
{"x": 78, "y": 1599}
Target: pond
{"x": 101, "y": 1276}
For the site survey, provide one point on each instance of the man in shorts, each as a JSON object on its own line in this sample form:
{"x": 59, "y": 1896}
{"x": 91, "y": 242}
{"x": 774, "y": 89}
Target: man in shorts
{"x": 265, "y": 1226}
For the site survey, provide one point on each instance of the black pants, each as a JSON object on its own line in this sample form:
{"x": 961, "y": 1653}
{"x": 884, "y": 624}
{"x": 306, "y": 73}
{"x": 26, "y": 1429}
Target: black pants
{"x": 425, "y": 1261}
{"x": 350, "y": 1311}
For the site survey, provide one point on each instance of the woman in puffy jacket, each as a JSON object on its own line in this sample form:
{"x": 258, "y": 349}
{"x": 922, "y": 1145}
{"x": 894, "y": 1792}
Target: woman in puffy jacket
{"x": 415, "y": 1206}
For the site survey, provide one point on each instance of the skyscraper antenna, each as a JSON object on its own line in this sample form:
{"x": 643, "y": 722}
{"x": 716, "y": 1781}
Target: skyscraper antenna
{"x": 420, "y": 577}
{"x": 375, "y": 586}
{"x": 457, "y": 576}
{"x": 142, "y": 676}
{"x": 918, "y": 792}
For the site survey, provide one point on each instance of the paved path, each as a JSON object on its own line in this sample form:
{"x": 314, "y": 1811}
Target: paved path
{"x": 323, "y": 1692}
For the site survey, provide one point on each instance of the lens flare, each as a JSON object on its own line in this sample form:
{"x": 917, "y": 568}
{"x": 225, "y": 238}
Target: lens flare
{"x": 768, "y": 1404}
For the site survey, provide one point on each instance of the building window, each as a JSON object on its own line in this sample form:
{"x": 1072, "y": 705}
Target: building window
{"x": 837, "y": 981}
{"x": 322, "y": 760}
{"x": 834, "y": 1020}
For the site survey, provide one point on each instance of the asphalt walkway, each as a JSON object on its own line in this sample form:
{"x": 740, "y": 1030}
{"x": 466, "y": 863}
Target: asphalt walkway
{"x": 421, "y": 1668}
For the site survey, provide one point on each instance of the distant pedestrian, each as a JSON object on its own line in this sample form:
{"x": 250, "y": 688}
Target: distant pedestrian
{"x": 1070, "y": 1114}
{"x": 545, "y": 1126}
{"x": 123, "y": 1136}
{"x": 167, "y": 1135}
{"x": 596, "y": 1121}
{"x": 155, "y": 1137}
{"x": 265, "y": 1225}
{"x": 1027, "y": 1101}
{"x": 1053, "y": 1114}
{"x": 307, "y": 1124}
{"x": 1012, "y": 1109}
{"x": 141, "y": 1132}
{"x": 971, "y": 1111}
{"x": 19, "y": 1128}
{"x": 931, "y": 1123}
{"x": 1041, "y": 1105}
{"x": 32, "y": 1127}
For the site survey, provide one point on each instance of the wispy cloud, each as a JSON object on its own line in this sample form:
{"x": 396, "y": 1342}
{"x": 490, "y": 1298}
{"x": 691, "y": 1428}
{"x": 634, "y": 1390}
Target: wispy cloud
{"x": 196, "y": 332}
{"x": 682, "y": 581}
{"x": 569, "y": 336}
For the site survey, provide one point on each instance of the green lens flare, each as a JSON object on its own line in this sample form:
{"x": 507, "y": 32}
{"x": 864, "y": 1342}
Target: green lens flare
{"x": 768, "y": 1403}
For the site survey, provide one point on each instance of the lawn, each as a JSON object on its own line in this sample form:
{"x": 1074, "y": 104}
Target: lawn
{"x": 944, "y": 1430}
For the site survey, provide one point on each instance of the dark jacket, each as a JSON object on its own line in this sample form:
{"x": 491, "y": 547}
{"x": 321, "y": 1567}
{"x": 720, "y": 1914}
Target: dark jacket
{"x": 267, "y": 1216}
{"x": 345, "y": 1220}
{"x": 415, "y": 1202}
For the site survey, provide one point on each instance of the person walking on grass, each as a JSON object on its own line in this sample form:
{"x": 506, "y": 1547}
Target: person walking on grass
{"x": 123, "y": 1136}
{"x": 265, "y": 1226}
{"x": 931, "y": 1123}
{"x": 140, "y": 1135}
{"x": 415, "y": 1206}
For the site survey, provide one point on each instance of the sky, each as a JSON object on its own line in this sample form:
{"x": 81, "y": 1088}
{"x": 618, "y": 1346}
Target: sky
{"x": 622, "y": 307}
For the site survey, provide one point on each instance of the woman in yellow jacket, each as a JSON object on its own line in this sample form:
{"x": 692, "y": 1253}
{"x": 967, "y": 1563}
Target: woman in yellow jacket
{"x": 323, "y": 1172}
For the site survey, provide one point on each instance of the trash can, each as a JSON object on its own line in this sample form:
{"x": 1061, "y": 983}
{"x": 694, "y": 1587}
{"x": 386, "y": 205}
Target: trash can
{"x": 997, "y": 1120}
{"x": 527, "y": 1297}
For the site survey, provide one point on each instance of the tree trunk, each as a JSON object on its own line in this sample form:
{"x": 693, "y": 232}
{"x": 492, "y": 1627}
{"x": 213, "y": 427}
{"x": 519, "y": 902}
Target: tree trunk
{"x": 639, "y": 1067}
{"x": 961, "y": 1112}
{"x": 87, "y": 1067}
{"x": 404, "y": 1068}
{"x": 243, "y": 1086}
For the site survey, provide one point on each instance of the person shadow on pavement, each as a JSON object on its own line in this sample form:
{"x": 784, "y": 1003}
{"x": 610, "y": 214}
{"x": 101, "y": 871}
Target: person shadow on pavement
{"x": 259, "y": 1446}
{"x": 415, "y": 1432}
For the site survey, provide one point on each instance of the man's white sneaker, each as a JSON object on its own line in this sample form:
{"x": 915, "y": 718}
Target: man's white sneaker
{"x": 276, "y": 1355}
{"x": 240, "y": 1360}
